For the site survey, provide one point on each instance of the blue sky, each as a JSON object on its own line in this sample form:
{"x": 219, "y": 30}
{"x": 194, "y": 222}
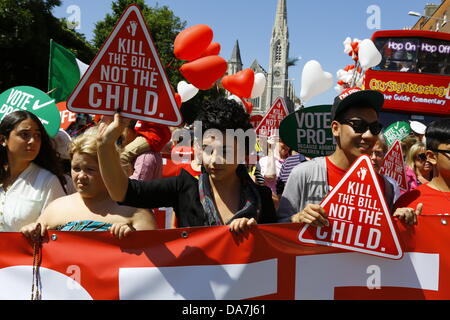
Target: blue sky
{"x": 316, "y": 28}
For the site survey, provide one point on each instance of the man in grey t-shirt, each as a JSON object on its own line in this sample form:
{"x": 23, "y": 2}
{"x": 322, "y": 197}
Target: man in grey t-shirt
{"x": 355, "y": 127}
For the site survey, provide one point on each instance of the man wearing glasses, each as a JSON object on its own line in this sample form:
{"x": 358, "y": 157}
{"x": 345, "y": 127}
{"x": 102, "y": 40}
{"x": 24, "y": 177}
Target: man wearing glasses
{"x": 355, "y": 127}
{"x": 432, "y": 198}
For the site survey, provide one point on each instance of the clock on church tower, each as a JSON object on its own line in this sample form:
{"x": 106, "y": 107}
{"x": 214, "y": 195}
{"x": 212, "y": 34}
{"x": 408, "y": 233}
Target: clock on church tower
{"x": 277, "y": 73}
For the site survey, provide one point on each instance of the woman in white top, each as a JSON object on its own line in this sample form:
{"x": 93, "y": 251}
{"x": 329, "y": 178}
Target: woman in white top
{"x": 30, "y": 171}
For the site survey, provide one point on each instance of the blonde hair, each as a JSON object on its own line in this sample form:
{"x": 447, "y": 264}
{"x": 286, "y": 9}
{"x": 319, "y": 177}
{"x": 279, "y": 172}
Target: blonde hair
{"x": 382, "y": 142}
{"x": 85, "y": 143}
{"x": 413, "y": 152}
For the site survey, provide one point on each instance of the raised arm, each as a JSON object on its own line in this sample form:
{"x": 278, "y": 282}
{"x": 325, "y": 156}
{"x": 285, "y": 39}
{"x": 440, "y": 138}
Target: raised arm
{"x": 115, "y": 179}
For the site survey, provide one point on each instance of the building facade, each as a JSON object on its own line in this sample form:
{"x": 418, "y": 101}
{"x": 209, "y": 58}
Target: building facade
{"x": 435, "y": 18}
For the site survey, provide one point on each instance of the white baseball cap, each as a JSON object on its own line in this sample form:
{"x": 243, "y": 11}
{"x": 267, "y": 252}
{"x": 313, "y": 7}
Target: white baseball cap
{"x": 418, "y": 127}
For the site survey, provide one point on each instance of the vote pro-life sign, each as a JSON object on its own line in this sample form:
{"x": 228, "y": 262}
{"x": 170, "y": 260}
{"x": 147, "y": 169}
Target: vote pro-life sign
{"x": 308, "y": 131}
{"x": 127, "y": 74}
{"x": 32, "y": 100}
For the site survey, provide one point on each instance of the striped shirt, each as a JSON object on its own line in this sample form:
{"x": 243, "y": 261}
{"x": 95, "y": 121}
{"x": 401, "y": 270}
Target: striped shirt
{"x": 286, "y": 169}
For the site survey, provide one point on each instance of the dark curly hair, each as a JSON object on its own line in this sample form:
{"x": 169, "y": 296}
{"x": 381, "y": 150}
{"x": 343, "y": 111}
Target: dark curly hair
{"x": 47, "y": 157}
{"x": 222, "y": 114}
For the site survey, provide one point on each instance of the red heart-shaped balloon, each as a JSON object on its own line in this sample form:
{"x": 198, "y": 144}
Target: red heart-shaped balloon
{"x": 241, "y": 83}
{"x": 349, "y": 67}
{"x": 203, "y": 72}
{"x": 248, "y": 106}
{"x": 190, "y": 43}
{"x": 212, "y": 50}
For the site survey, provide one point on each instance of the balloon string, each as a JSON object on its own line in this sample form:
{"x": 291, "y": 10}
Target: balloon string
{"x": 73, "y": 134}
{"x": 170, "y": 63}
{"x": 355, "y": 74}
{"x": 171, "y": 67}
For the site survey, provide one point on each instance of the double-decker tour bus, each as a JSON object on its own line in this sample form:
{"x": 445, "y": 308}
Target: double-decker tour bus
{"x": 414, "y": 75}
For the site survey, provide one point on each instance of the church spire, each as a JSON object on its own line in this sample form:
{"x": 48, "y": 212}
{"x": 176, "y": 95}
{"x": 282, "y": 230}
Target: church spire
{"x": 281, "y": 8}
{"x": 236, "y": 55}
{"x": 278, "y": 76}
{"x": 280, "y": 26}
{"x": 235, "y": 62}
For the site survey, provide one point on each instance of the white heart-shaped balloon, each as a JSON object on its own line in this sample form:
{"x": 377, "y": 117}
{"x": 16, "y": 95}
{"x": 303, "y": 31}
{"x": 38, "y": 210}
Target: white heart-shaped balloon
{"x": 235, "y": 98}
{"x": 238, "y": 100}
{"x": 186, "y": 90}
{"x": 347, "y": 77}
{"x": 369, "y": 56}
{"x": 314, "y": 80}
{"x": 342, "y": 74}
{"x": 347, "y": 46}
{"x": 259, "y": 85}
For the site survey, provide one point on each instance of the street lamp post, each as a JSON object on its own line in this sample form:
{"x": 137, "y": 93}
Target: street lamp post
{"x": 417, "y": 14}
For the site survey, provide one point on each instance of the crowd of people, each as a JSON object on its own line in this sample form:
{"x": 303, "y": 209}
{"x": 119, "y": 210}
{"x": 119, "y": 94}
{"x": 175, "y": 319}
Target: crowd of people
{"x": 113, "y": 179}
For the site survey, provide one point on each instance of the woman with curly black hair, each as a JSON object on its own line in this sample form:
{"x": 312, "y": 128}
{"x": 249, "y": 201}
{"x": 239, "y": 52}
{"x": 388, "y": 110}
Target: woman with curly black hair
{"x": 224, "y": 193}
{"x": 31, "y": 175}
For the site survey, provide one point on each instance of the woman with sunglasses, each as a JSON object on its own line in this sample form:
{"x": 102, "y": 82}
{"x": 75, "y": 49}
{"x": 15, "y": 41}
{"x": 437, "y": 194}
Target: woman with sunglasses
{"x": 418, "y": 169}
{"x": 355, "y": 127}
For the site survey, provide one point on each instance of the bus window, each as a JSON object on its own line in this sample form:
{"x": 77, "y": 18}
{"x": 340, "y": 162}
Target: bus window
{"x": 387, "y": 118}
{"x": 398, "y": 54}
{"x": 433, "y": 56}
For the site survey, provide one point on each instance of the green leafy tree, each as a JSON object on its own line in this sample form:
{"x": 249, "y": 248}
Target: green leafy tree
{"x": 26, "y": 27}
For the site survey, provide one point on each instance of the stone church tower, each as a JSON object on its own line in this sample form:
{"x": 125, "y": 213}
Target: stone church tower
{"x": 235, "y": 63}
{"x": 277, "y": 80}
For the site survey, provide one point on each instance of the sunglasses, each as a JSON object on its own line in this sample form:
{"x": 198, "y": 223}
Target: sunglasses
{"x": 361, "y": 126}
{"x": 422, "y": 157}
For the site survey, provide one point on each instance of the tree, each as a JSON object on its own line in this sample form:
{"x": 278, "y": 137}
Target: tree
{"x": 292, "y": 62}
{"x": 26, "y": 27}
